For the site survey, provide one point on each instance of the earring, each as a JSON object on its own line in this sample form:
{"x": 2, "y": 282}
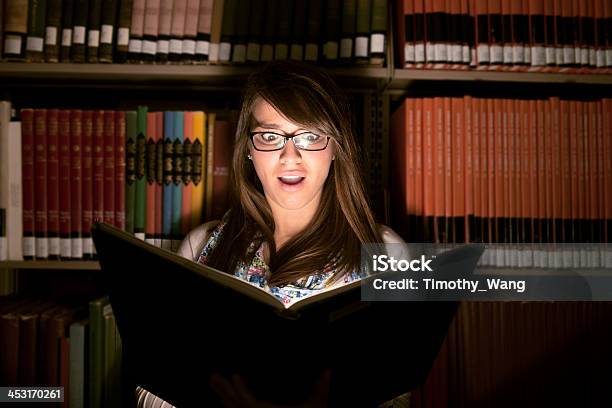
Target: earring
{"x": 250, "y": 157}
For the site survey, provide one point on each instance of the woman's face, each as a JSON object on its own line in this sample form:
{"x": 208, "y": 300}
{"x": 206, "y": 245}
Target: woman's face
{"x": 292, "y": 179}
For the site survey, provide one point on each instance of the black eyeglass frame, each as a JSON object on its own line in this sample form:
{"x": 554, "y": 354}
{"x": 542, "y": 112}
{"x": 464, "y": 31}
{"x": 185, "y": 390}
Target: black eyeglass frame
{"x": 286, "y": 138}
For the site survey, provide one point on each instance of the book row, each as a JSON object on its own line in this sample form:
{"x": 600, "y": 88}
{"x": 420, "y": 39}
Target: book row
{"x": 73, "y": 345}
{"x": 155, "y": 174}
{"x": 196, "y": 31}
{"x": 551, "y": 35}
{"x": 497, "y": 170}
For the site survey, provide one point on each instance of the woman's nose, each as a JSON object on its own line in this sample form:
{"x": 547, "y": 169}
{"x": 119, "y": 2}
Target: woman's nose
{"x": 290, "y": 153}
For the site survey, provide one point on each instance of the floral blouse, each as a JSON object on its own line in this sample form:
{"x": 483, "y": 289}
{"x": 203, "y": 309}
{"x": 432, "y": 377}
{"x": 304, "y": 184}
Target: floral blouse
{"x": 257, "y": 271}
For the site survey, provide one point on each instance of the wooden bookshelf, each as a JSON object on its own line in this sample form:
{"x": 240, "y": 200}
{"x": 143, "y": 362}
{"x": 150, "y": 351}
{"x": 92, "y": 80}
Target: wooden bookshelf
{"x": 43, "y": 264}
{"x": 154, "y": 76}
{"x": 406, "y": 79}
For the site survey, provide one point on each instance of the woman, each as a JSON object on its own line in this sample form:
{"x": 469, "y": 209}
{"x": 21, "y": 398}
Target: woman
{"x": 299, "y": 213}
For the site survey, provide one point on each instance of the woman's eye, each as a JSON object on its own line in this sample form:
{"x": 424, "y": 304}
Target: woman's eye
{"x": 269, "y": 137}
{"x": 310, "y": 137}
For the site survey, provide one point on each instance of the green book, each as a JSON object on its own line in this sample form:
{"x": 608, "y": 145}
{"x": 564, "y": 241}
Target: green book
{"x": 36, "y": 30}
{"x": 378, "y": 32}
{"x": 140, "y": 197}
{"x": 130, "y": 170}
{"x": 96, "y": 351}
{"x": 362, "y": 33}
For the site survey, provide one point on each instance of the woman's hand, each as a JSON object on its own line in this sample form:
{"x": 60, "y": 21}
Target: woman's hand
{"x": 235, "y": 393}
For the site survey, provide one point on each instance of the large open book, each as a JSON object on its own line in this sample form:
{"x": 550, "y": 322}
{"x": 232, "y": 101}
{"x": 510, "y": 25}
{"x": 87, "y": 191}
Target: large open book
{"x": 181, "y": 321}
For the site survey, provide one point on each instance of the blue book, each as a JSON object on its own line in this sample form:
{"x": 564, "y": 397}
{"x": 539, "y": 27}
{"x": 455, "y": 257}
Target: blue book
{"x": 167, "y": 177}
{"x": 177, "y": 185}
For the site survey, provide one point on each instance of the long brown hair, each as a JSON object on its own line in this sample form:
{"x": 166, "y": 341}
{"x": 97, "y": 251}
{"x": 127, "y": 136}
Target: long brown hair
{"x": 306, "y": 96}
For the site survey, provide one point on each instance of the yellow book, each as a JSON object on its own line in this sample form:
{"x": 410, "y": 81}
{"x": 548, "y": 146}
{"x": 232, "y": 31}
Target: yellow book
{"x": 197, "y": 199}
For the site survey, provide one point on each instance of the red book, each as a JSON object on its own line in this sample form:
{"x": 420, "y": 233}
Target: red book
{"x": 64, "y": 367}
{"x": 511, "y": 191}
{"x": 533, "y": 169}
{"x": 548, "y": 178}
{"x": 98, "y": 166}
{"x": 405, "y": 32}
{"x": 76, "y": 182}
{"x": 222, "y": 155}
{"x": 120, "y": 169}
{"x": 40, "y": 183}
{"x": 27, "y": 151}
{"x": 53, "y": 183}
{"x": 87, "y": 182}
{"x": 481, "y": 22}
{"x": 541, "y": 169}
{"x": 582, "y": 165}
{"x": 186, "y": 203}
{"x": 109, "y": 167}
{"x": 150, "y": 173}
{"x": 65, "y": 226}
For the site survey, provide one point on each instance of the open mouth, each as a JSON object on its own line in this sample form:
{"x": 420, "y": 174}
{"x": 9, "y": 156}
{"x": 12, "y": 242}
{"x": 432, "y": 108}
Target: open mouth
{"x": 291, "y": 180}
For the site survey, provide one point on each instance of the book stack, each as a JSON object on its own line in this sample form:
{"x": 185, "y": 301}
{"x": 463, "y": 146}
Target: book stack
{"x": 505, "y": 171}
{"x": 155, "y": 174}
{"x": 196, "y": 31}
{"x": 73, "y": 345}
{"x": 519, "y": 35}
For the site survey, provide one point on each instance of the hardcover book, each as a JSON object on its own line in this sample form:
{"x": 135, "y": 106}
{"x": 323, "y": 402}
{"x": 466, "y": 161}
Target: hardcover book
{"x": 205, "y": 321}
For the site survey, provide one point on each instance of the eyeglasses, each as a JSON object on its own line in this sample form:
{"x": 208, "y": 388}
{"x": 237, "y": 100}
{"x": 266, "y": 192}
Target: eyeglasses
{"x": 270, "y": 141}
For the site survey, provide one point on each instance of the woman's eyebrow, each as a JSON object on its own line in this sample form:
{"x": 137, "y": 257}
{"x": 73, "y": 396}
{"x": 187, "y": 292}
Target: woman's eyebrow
{"x": 272, "y": 126}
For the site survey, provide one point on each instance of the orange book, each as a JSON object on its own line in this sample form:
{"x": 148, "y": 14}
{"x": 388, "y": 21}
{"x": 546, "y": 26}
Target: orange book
{"x": 607, "y": 173}
{"x": 525, "y": 171}
{"x": 593, "y": 173}
{"x": 566, "y": 174}
{"x": 519, "y": 165}
{"x": 573, "y": 138}
{"x": 438, "y": 162}
{"x": 497, "y": 158}
{"x": 512, "y": 162}
{"x": 602, "y": 135}
{"x": 485, "y": 172}
{"x": 447, "y": 221}
{"x": 468, "y": 172}
{"x": 541, "y": 169}
{"x": 476, "y": 233}
{"x": 150, "y": 171}
{"x": 548, "y": 178}
{"x": 557, "y": 180}
{"x": 505, "y": 156}
{"x": 409, "y": 176}
{"x": 582, "y": 165}
{"x": 398, "y": 153}
{"x": 428, "y": 169}
{"x": 533, "y": 171}
{"x": 418, "y": 166}
{"x": 188, "y": 141}
{"x": 458, "y": 169}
